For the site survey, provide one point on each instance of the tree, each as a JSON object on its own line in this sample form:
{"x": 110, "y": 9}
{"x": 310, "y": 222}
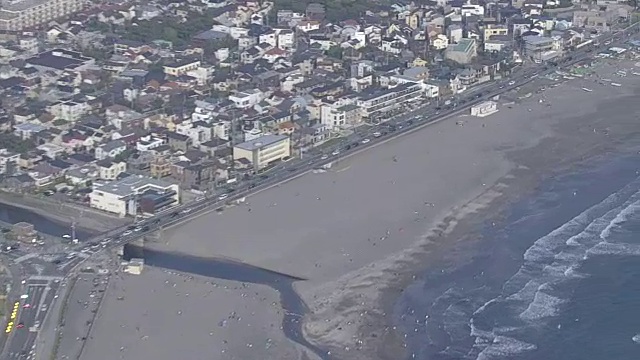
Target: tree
{"x": 335, "y": 52}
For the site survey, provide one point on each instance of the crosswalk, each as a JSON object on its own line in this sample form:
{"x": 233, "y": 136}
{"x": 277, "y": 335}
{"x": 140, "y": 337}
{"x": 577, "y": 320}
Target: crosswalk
{"x": 45, "y": 278}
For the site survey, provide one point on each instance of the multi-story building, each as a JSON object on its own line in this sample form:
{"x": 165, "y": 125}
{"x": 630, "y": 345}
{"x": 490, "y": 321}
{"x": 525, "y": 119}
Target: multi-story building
{"x": 340, "y": 116}
{"x": 264, "y": 150}
{"x": 377, "y": 103}
{"x": 181, "y": 67}
{"x": 7, "y": 160}
{"x": 536, "y": 46}
{"x": 246, "y": 99}
{"x": 462, "y": 52}
{"x": 125, "y": 196}
{"x": 23, "y": 14}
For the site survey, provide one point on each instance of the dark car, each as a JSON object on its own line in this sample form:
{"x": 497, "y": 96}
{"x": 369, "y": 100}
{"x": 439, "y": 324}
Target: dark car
{"x": 175, "y": 214}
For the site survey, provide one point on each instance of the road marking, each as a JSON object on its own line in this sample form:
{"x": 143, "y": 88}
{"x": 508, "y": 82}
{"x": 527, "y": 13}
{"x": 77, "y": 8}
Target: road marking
{"x": 343, "y": 169}
{"x": 25, "y": 257}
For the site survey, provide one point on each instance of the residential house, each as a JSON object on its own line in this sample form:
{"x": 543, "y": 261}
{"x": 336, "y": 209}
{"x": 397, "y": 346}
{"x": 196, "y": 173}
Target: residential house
{"x": 179, "y": 141}
{"x": 110, "y": 150}
{"x": 110, "y": 170}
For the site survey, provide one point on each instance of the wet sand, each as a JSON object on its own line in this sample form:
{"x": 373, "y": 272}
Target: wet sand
{"x": 359, "y": 232}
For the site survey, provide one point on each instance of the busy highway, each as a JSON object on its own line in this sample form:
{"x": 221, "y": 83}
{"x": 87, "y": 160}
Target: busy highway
{"x": 30, "y": 312}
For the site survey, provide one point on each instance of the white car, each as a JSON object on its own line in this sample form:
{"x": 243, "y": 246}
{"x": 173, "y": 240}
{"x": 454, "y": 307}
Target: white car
{"x": 512, "y": 83}
{"x": 376, "y": 134}
{"x": 335, "y": 152}
{"x": 364, "y": 141}
{"x": 138, "y": 228}
{"x": 127, "y": 233}
{"x": 324, "y": 157}
{"x": 223, "y": 196}
{"x": 186, "y": 211}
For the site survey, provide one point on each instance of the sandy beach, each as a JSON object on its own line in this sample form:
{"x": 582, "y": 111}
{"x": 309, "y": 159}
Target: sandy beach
{"x": 359, "y": 232}
{"x": 165, "y": 315}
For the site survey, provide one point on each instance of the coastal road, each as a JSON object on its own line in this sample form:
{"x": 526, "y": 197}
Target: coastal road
{"x": 407, "y": 122}
{"x": 31, "y": 314}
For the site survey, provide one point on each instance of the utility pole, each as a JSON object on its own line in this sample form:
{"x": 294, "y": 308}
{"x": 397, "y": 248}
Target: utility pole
{"x": 73, "y": 230}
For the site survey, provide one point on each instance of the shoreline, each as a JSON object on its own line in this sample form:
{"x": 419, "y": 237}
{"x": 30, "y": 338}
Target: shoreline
{"x": 453, "y": 236}
{"x": 322, "y": 227}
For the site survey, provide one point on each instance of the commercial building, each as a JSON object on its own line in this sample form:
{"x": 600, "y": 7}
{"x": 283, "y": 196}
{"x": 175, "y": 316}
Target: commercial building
{"x": 264, "y": 150}
{"x": 484, "y": 109}
{"x": 377, "y": 103}
{"x": 535, "y": 46}
{"x": 462, "y": 52}
{"x": 181, "y": 67}
{"x": 133, "y": 195}
{"x": 23, "y": 14}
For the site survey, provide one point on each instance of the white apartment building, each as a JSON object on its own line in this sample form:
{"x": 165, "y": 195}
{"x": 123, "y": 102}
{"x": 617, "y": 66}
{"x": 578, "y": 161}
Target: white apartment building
{"x": 264, "y": 150}
{"x": 7, "y": 157}
{"x": 340, "y": 116}
{"x": 147, "y": 143}
{"x": 246, "y": 99}
{"x": 68, "y": 110}
{"x": 222, "y": 130}
{"x": 23, "y": 14}
{"x": 377, "y": 103}
{"x": 286, "y": 39}
{"x": 122, "y": 197}
{"x": 197, "y": 133}
{"x": 468, "y": 10}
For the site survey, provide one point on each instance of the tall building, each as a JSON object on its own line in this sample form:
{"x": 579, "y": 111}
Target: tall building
{"x": 24, "y": 14}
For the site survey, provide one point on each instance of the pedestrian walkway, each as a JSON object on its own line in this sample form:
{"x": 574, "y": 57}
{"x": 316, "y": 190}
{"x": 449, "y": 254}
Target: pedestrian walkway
{"x": 25, "y": 257}
{"x": 46, "y": 278}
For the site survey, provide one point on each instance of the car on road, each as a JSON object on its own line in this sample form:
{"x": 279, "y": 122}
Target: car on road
{"x": 174, "y": 214}
{"x": 364, "y": 141}
{"x": 26, "y": 306}
{"x": 223, "y": 196}
{"x": 186, "y": 211}
{"x": 511, "y": 83}
{"x": 127, "y": 233}
{"x": 20, "y": 325}
{"x": 335, "y": 152}
{"x": 324, "y": 157}
{"x": 137, "y": 228}
{"x": 377, "y": 134}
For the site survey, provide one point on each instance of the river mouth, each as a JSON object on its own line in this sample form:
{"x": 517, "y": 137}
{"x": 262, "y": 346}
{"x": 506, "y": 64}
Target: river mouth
{"x": 293, "y": 306}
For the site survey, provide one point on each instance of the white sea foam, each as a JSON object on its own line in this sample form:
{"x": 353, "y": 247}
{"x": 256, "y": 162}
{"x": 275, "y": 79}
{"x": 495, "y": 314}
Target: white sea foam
{"x": 503, "y": 346}
{"x": 607, "y": 248}
{"x": 553, "y": 259}
{"x": 542, "y": 306}
{"x": 621, "y": 218}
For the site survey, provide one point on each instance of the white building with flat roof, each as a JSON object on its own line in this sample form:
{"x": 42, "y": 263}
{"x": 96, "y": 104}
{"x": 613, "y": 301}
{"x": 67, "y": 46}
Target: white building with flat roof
{"x": 22, "y": 14}
{"x": 123, "y": 196}
{"x": 264, "y": 150}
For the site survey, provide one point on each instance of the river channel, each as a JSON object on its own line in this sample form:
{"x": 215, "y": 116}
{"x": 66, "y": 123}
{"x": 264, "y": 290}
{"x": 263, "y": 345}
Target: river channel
{"x": 215, "y": 268}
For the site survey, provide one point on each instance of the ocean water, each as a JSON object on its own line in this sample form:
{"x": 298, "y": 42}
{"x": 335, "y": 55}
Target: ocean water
{"x": 560, "y": 280}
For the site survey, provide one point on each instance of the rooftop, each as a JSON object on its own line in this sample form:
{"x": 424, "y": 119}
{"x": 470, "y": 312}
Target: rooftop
{"x": 131, "y": 185}
{"x": 261, "y": 142}
{"x": 59, "y": 59}
{"x": 464, "y": 45}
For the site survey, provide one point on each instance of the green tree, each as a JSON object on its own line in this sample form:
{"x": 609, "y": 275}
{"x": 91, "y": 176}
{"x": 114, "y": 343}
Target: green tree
{"x": 335, "y": 52}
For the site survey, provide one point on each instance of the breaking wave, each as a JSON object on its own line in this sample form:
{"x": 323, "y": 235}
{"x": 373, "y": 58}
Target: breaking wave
{"x": 533, "y": 295}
